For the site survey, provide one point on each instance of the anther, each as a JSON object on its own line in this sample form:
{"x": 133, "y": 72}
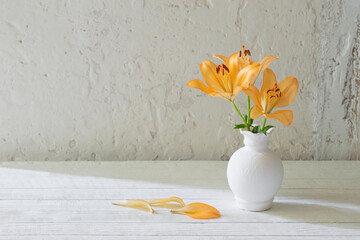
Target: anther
{"x": 225, "y": 67}
{"x": 247, "y": 52}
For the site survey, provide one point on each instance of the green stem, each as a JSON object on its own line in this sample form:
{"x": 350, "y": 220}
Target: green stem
{"x": 238, "y": 111}
{"x": 263, "y": 126}
{"x": 248, "y": 123}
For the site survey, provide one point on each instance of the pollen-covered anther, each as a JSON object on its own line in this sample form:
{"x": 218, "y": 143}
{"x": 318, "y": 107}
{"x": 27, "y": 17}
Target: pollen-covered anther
{"x": 274, "y": 92}
{"x": 223, "y": 68}
{"x": 245, "y": 52}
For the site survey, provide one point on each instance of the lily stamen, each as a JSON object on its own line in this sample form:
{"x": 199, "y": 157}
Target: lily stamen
{"x": 225, "y": 67}
{"x": 246, "y": 52}
{"x": 222, "y": 67}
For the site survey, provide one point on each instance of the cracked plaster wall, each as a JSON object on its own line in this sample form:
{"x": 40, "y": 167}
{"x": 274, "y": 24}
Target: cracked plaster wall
{"x": 105, "y": 80}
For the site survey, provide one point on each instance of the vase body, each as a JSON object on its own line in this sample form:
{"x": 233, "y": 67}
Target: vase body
{"x": 255, "y": 173}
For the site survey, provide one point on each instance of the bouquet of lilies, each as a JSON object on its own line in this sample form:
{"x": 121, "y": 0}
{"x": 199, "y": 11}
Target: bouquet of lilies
{"x": 239, "y": 73}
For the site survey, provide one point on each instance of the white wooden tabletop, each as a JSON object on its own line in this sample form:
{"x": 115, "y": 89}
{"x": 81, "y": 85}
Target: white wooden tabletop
{"x": 72, "y": 200}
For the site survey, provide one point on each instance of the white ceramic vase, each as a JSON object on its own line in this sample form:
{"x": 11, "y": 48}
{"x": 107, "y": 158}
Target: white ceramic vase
{"x": 255, "y": 173}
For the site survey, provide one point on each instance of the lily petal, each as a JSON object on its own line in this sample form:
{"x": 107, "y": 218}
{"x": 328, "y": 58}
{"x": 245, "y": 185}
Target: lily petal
{"x": 221, "y": 57}
{"x": 198, "y": 211}
{"x": 241, "y": 62}
{"x": 167, "y": 200}
{"x": 265, "y": 62}
{"x": 256, "y": 112}
{"x": 208, "y": 71}
{"x": 197, "y": 83}
{"x": 228, "y": 96}
{"x": 283, "y": 116}
{"x": 237, "y": 90}
{"x": 235, "y": 64}
{"x": 246, "y": 75}
{"x": 135, "y": 204}
{"x": 269, "y": 80}
{"x": 254, "y": 94}
{"x": 288, "y": 88}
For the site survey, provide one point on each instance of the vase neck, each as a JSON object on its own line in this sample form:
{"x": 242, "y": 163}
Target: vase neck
{"x": 257, "y": 141}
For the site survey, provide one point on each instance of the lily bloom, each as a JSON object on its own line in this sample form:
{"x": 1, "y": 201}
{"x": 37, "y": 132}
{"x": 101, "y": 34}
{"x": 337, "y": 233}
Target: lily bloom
{"x": 272, "y": 96}
{"x": 234, "y": 75}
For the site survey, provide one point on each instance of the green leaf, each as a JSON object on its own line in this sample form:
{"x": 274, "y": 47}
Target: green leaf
{"x": 251, "y": 121}
{"x": 266, "y": 128}
{"x": 256, "y": 129}
{"x": 238, "y": 126}
{"x": 246, "y": 117}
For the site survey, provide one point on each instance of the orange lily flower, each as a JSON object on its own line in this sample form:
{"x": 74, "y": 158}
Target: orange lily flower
{"x": 273, "y": 95}
{"x": 234, "y": 75}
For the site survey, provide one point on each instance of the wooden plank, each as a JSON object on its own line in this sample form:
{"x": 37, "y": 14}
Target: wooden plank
{"x": 112, "y": 194}
{"x": 314, "y": 183}
{"x": 103, "y": 183}
{"x": 13, "y": 181}
{"x": 66, "y": 211}
{"x": 117, "y": 237}
{"x": 196, "y": 228}
{"x": 57, "y": 182}
{"x": 327, "y": 195}
{"x": 195, "y": 174}
{"x": 183, "y": 169}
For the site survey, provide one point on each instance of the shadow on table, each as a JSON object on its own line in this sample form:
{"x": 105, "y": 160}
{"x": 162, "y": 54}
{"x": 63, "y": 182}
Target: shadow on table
{"x": 199, "y": 174}
{"x": 325, "y": 211}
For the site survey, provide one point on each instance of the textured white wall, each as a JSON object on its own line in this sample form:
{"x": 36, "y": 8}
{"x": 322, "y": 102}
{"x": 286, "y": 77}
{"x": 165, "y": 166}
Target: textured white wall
{"x": 105, "y": 80}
